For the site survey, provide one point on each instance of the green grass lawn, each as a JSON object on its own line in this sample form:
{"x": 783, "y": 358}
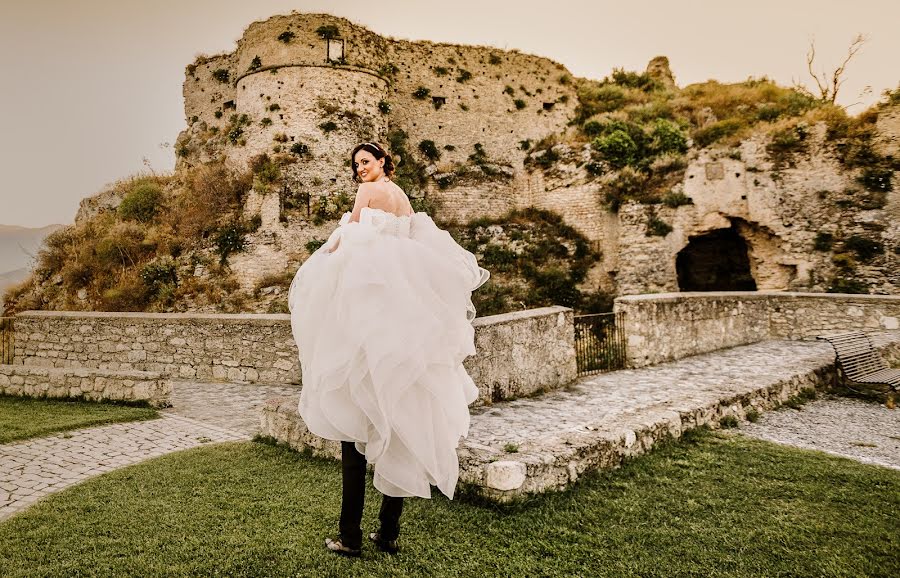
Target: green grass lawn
{"x": 23, "y": 417}
{"x": 711, "y": 504}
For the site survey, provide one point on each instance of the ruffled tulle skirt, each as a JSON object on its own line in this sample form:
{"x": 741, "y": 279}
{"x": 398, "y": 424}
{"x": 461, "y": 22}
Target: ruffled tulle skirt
{"x": 383, "y": 325}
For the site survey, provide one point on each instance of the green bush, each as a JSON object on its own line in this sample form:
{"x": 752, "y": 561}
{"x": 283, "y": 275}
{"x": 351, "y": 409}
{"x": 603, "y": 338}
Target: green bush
{"x": 617, "y": 148}
{"x": 384, "y": 106}
{"x": 676, "y": 200}
{"x": 328, "y": 126}
{"x": 221, "y": 74}
{"x": 328, "y": 31}
{"x": 141, "y": 203}
{"x": 300, "y": 149}
{"x": 656, "y": 227}
{"x": 430, "y": 150}
{"x": 229, "y": 239}
{"x": 158, "y": 273}
{"x": 463, "y": 75}
{"x": 877, "y": 179}
{"x": 441, "y": 70}
{"x": 865, "y": 249}
{"x": 313, "y": 245}
{"x": 823, "y": 241}
{"x": 520, "y": 104}
{"x": 667, "y": 137}
{"x": 421, "y": 93}
{"x": 844, "y": 285}
{"x": 495, "y": 59}
{"x": 707, "y": 135}
{"x": 255, "y": 63}
{"x": 642, "y": 81}
{"x": 286, "y": 36}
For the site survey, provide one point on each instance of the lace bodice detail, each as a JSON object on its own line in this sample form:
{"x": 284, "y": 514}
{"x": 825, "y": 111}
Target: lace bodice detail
{"x": 385, "y": 222}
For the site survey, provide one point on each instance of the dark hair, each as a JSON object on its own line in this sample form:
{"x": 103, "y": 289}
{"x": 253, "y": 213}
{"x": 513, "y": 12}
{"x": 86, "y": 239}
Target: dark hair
{"x": 378, "y": 152}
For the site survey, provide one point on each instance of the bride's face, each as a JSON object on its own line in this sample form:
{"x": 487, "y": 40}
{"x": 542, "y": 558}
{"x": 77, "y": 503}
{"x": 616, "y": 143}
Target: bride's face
{"x": 368, "y": 168}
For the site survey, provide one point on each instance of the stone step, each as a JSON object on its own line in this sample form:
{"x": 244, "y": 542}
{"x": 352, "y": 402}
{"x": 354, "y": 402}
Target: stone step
{"x": 532, "y": 445}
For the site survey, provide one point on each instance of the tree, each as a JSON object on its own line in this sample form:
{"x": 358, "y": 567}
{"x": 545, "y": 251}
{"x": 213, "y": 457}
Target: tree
{"x": 828, "y": 86}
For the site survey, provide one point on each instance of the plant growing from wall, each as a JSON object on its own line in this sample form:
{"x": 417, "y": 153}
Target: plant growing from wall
{"x": 328, "y": 31}
{"x": 509, "y": 90}
{"x": 865, "y": 249}
{"x": 265, "y": 121}
{"x": 388, "y": 69}
{"x": 430, "y": 150}
{"x": 141, "y": 203}
{"x": 421, "y": 93}
{"x": 656, "y": 227}
{"x": 823, "y": 241}
{"x": 286, "y": 36}
{"x": 300, "y": 149}
{"x": 328, "y": 126}
{"x": 218, "y": 114}
{"x": 384, "y": 106}
{"x": 877, "y": 179}
{"x": 255, "y": 64}
{"x": 463, "y": 75}
{"x": 520, "y": 104}
{"x": 494, "y": 59}
{"x": 441, "y": 71}
{"x": 676, "y": 199}
{"x": 274, "y": 106}
{"x": 159, "y": 275}
{"x": 222, "y": 75}
{"x": 229, "y": 239}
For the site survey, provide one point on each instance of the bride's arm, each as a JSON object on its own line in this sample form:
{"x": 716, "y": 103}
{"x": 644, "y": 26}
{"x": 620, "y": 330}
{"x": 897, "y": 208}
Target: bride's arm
{"x": 363, "y": 194}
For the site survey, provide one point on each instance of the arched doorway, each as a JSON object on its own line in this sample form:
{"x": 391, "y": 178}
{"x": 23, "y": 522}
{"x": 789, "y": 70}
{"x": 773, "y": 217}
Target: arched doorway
{"x": 716, "y": 261}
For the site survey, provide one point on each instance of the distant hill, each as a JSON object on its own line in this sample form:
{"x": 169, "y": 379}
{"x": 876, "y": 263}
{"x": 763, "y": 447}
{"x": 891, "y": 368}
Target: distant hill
{"x": 17, "y": 244}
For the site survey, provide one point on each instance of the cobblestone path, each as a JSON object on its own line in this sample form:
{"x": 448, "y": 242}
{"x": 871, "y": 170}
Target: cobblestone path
{"x": 202, "y": 413}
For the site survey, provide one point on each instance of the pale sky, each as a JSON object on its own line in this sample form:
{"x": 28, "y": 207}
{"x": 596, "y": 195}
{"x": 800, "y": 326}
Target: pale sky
{"x": 92, "y": 88}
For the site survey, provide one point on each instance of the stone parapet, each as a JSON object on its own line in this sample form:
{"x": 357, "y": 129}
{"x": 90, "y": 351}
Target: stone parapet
{"x": 89, "y": 384}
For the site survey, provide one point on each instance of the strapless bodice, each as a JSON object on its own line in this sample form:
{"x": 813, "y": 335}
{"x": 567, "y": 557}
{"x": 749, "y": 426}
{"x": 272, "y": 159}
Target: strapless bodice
{"x": 385, "y": 222}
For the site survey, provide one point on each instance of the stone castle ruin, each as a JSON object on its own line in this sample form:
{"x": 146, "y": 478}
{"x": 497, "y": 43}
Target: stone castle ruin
{"x": 314, "y": 85}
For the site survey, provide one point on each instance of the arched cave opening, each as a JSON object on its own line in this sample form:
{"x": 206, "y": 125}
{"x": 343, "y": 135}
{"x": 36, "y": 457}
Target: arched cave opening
{"x": 716, "y": 261}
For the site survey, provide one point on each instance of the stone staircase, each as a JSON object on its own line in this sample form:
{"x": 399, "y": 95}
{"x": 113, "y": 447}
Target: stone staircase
{"x": 536, "y": 444}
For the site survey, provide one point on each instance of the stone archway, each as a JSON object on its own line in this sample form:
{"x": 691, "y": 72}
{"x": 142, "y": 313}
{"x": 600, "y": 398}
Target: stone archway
{"x": 715, "y": 261}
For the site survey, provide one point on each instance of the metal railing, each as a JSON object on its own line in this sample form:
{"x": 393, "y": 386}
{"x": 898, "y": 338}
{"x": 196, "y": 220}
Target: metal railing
{"x": 599, "y": 342}
{"x": 7, "y": 340}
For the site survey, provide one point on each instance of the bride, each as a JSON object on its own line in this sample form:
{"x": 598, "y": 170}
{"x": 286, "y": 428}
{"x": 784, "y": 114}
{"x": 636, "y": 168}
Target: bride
{"x": 382, "y": 314}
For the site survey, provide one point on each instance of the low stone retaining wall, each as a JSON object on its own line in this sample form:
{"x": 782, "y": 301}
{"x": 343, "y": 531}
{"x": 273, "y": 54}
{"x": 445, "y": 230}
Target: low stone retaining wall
{"x": 669, "y": 326}
{"x": 518, "y": 353}
{"x": 690, "y": 393}
{"x": 90, "y": 384}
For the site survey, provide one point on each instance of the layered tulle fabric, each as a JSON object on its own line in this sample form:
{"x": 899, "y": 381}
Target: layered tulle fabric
{"x": 382, "y": 315}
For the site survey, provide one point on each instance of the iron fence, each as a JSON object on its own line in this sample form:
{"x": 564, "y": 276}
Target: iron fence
{"x": 7, "y": 341}
{"x": 599, "y": 342}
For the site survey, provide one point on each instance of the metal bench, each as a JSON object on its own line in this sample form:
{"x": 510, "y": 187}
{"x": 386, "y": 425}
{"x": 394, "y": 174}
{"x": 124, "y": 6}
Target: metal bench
{"x": 861, "y": 368}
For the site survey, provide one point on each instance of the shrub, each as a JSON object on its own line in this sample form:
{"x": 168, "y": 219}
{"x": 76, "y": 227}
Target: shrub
{"x": 441, "y": 70}
{"x": 844, "y": 285}
{"x": 428, "y": 148}
{"x": 823, "y": 241}
{"x": 218, "y": 114}
{"x": 595, "y": 99}
{"x": 707, "y": 135}
{"x": 666, "y": 137}
{"x": 299, "y": 149}
{"x": 865, "y": 249}
{"x": 328, "y": 126}
{"x": 463, "y": 75}
{"x": 520, "y": 104}
{"x": 229, "y": 239}
{"x": 265, "y": 121}
{"x": 656, "y": 227}
{"x": 495, "y": 59}
{"x": 286, "y": 36}
{"x": 509, "y": 90}
{"x": 389, "y": 69}
{"x": 642, "y": 81}
{"x": 265, "y": 169}
{"x": 328, "y": 31}
{"x": 384, "y": 107}
{"x": 676, "y": 200}
{"x": 274, "y": 106}
{"x": 876, "y": 179}
{"x": 728, "y": 422}
{"x": 628, "y": 184}
{"x": 158, "y": 273}
{"x": 255, "y": 63}
{"x": 313, "y": 245}
{"x": 617, "y": 148}
{"x": 221, "y": 74}
{"x": 141, "y": 203}
{"x": 422, "y": 93}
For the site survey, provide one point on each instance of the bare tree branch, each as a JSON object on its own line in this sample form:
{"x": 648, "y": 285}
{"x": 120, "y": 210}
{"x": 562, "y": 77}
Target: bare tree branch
{"x": 829, "y": 87}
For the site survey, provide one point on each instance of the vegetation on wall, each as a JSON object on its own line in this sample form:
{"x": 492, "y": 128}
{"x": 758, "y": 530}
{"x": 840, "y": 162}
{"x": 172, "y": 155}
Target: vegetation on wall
{"x": 535, "y": 260}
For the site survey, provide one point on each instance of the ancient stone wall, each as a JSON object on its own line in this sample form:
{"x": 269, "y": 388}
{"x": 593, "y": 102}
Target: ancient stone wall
{"x": 518, "y": 353}
{"x": 669, "y": 326}
{"x": 89, "y": 384}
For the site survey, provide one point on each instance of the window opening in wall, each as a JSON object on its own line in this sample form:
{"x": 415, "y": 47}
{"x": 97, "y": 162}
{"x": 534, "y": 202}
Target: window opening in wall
{"x": 228, "y": 104}
{"x": 548, "y": 105}
{"x": 334, "y": 51}
{"x": 438, "y": 101}
{"x": 716, "y": 261}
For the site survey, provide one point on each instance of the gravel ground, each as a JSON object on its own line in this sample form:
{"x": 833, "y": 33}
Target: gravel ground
{"x": 860, "y": 430}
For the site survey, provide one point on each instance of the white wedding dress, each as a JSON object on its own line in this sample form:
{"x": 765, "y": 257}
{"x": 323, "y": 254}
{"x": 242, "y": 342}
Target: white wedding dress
{"x": 383, "y": 324}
